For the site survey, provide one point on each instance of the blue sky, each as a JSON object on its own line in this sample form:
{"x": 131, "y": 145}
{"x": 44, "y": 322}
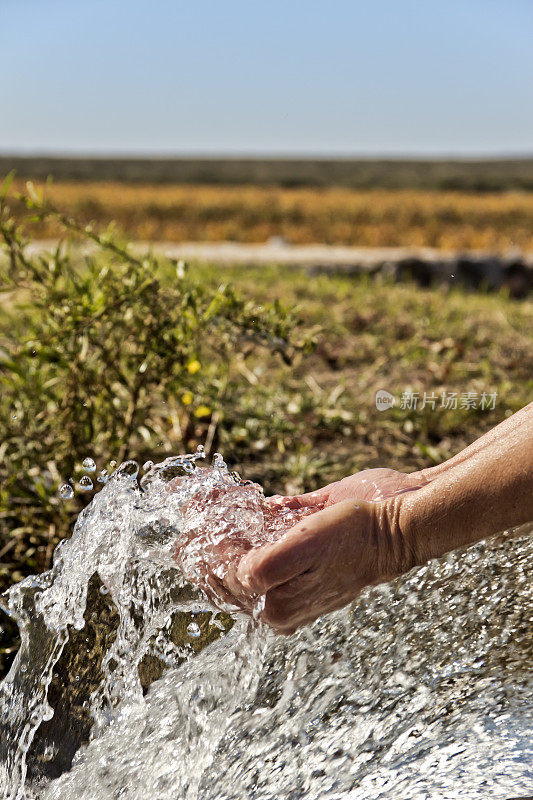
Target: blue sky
{"x": 374, "y": 77}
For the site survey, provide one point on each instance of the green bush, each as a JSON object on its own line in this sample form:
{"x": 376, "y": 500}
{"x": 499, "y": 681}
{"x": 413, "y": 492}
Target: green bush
{"x": 108, "y": 355}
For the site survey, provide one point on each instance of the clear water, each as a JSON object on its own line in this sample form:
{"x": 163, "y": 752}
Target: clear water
{"x": 420, "y": 690}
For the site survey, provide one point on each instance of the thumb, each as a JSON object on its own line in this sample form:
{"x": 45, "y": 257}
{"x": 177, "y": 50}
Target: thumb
{"x": 273, "y": 564}
{"x": 297, "y": 551}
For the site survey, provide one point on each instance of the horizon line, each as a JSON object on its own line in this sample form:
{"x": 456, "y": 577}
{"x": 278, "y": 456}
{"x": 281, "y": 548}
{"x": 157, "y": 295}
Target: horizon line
{"x": 258, "y": 156}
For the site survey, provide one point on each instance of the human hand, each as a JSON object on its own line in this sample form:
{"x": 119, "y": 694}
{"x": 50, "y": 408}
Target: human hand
{"x": 369, "y": 484}
{"x": 377, "y": 524}
{"x": 218, "y": 527}
{"x": 213, "y": 563}
{"x": 324, "y": 561}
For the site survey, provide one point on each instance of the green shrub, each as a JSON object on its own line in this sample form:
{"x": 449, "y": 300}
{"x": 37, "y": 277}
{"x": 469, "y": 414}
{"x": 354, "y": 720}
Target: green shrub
{"x": 108, "y": 355}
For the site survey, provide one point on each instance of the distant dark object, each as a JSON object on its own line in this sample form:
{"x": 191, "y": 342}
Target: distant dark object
{"x": 474, "y": 272}
{"x": 487, "y": 273}
{"x": 481, "y": 175}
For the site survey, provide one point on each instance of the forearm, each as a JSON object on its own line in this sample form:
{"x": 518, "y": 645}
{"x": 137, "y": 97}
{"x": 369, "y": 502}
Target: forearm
{"x": 476, "y": 496}
{"x": 501, "y": 434}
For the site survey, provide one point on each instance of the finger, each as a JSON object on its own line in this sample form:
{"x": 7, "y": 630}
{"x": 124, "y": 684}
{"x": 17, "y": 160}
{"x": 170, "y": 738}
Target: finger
{"x": 303, "y": 585}
{"x": 277, "y": 499}
{"x": 272, "y": 564}
{"x": 297, "y": 551}
{"x": 286, "y": 602}
{"x": 220, "y": 596}
{"x": 278, "y": 612}
{"x": 235, "y": 589}
{"x": 287, "y": 615}
{"x": 302, "y": 500}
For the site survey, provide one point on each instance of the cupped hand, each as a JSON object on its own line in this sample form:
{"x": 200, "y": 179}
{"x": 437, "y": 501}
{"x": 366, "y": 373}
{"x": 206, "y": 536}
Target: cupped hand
{"x": 350, "y": 539}
{"x": 217, "y": 531}
{"x": 323, "y": 562}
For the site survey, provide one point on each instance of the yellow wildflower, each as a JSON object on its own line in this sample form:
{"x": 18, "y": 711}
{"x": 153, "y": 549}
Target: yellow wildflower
{"x": 202, "y": 411}
{"x": 193, "y": 366}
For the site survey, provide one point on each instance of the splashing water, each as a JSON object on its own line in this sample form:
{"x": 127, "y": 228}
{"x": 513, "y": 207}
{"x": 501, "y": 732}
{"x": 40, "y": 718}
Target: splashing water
{"x": 129, "y": 537}
{"x": 420, "y": 690}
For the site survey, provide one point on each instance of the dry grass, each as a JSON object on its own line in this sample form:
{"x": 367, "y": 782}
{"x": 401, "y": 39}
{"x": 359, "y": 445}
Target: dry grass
{"x": 447, "y": 220}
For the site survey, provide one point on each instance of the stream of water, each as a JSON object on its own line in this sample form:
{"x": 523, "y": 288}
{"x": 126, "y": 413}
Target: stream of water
{"x": 421, "y": 689}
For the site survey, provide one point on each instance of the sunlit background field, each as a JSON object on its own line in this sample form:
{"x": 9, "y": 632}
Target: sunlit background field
{"x": 462, "y": 205}
{"x": 496, "y": 222}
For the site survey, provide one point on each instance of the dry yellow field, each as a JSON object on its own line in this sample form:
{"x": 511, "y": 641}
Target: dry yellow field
{"x": 498, "y": 222}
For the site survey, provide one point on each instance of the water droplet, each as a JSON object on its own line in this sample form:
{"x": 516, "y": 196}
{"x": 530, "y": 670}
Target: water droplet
{"x": 218, "y": 460}
{"x": 89, "y": 464}
{"x": 193, "y": 630}
{"x": 49, "y": 752}
{"x": 66, "y": 491}
{"x": 103, "y": 476}
{"x": 113, "y": 464}
{"x": 148, "y": 465}
{"x": 85, "y": 483}
{"x": 199, "y": 454}
{"x": 128, "y": 469}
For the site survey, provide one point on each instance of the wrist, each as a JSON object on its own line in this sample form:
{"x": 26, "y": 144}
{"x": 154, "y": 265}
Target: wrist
{"x": 419, "y": 526}
{"x": 414, "y": 528}
{"x": 399, "y": 544}
{"x": 471, "y": 500}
